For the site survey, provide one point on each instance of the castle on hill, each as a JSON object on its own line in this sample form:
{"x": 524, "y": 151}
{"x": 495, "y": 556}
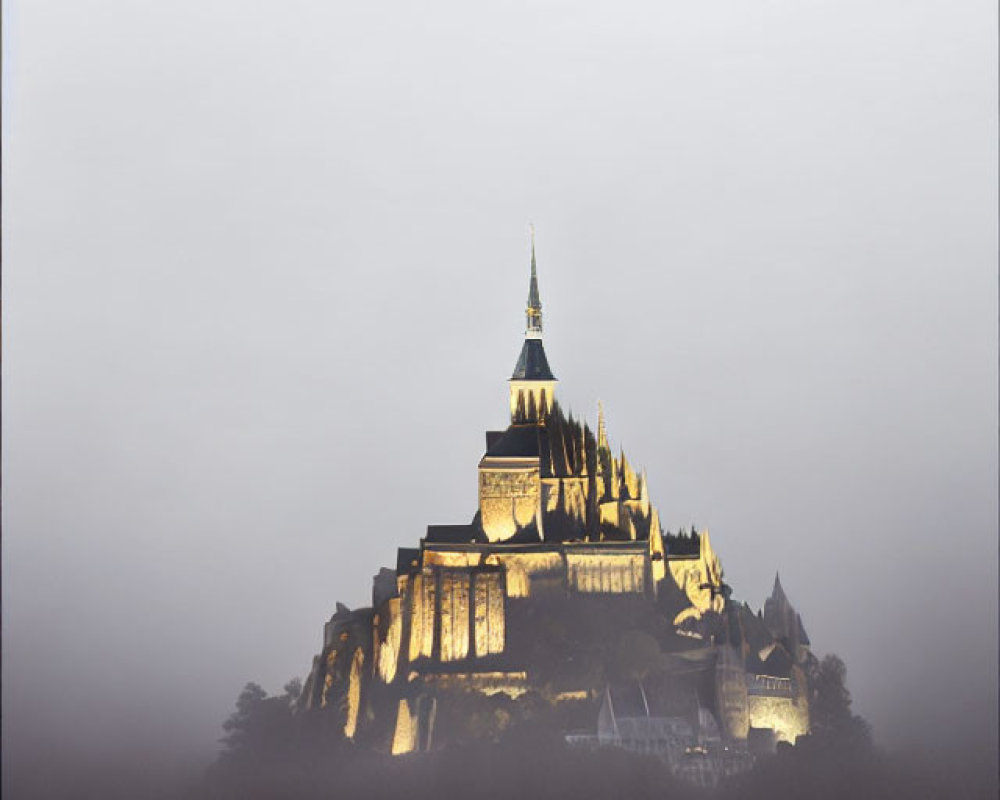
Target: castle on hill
{"x": 565, "y": 595}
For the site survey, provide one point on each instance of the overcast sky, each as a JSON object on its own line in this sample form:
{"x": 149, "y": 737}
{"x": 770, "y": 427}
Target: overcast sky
{"x": 264, "y": 275}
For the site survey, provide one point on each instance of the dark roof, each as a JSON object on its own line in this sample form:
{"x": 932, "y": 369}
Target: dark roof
{"x": 405, "y": 558}
{"x": 532, "y": 364}
{"x": 451, "y": 534}
{"x": 517, "y": 440}
{"x": 777, "y": 664}
{"x": 756, "y": 632}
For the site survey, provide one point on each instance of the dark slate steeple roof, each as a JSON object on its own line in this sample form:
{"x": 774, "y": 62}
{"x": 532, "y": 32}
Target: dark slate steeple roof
{"x": 532, "y": 365}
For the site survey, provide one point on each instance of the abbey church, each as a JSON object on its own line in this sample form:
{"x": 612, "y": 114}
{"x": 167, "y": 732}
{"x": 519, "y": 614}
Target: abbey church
{"x": 563, "y": 595}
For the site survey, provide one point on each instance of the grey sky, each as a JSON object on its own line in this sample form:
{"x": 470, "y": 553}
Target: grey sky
{"x": 264, "y": 277}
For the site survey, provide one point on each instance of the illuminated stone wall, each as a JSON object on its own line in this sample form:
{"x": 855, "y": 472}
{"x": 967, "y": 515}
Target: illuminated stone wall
{"x": 329, "y": 666}
{"x": 700, "y": 578}
{"x": 452, "y": 558}
{"x": 346, "y": 633}
{"x": 354, "y": 694}
{"x": 490, "y": 619}
{"x": 568, "y": 495}
{"x": 513, "y": 684}
{"x": 610, "y": 512}
{"x": 388, "y": 639}
{"x": 607, "y": 573}
{"x": 469, "y": 619}
{"x": 788, "y": 719}
{"x": 523, "y": 568}
{"x": 580, "y": 569}
{"x": 508, "y": 500}
{"x": 731, "y": 693}
{"x": 577, "y": 568}
{"x": 525, "y": 396}
{"x": 657, "y": 553}
{"x": 779, "y": 703}
{"x": 404, "y": 737}
{"x": 423, "y": 591}
{"x": 454, "y": 617}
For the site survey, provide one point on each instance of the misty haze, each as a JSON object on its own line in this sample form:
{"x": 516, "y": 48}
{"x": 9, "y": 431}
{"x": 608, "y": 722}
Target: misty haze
{"x": 269, "y": 279}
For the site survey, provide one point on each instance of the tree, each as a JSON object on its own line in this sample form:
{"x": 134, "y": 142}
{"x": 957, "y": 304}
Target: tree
{"x": 293, "y": 689}
{"x": 261, "y": 725}
{"x": 239, "y": 726}
{"x": 830, "y": 706}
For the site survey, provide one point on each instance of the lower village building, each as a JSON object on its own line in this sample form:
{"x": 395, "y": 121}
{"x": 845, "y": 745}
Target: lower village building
{"x": 563, "y": 595}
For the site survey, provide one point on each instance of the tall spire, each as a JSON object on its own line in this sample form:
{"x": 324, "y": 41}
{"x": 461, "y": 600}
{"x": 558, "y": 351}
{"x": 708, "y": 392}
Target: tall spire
{"x": 532, "y": 384}
{"x": 533, "y": 312}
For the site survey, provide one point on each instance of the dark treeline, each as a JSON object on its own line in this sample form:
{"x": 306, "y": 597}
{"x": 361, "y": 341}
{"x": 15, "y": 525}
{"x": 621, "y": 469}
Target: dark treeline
{"x": 271, "y": 752}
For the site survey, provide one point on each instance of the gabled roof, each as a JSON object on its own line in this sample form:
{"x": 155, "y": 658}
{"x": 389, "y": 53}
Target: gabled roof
{"x": 532, "y": 365}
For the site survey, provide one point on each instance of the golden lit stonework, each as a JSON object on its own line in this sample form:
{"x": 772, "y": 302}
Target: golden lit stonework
{"x": 563, "y": 585}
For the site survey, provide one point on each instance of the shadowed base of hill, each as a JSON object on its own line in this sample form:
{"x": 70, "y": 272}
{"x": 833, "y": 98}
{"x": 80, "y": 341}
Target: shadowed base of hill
{"x": 538, "y": 765}
{"x": 272, "y": 753}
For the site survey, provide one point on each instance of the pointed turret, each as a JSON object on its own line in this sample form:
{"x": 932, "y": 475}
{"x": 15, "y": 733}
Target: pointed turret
{"x": 657, "y": 553}
{"x": 784, "y": 622}
{"x": 777, "y": 593}
{"x": 602, "y": 428}
{"x": 643, "y": 494}
{"x": 630, "y": 481}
